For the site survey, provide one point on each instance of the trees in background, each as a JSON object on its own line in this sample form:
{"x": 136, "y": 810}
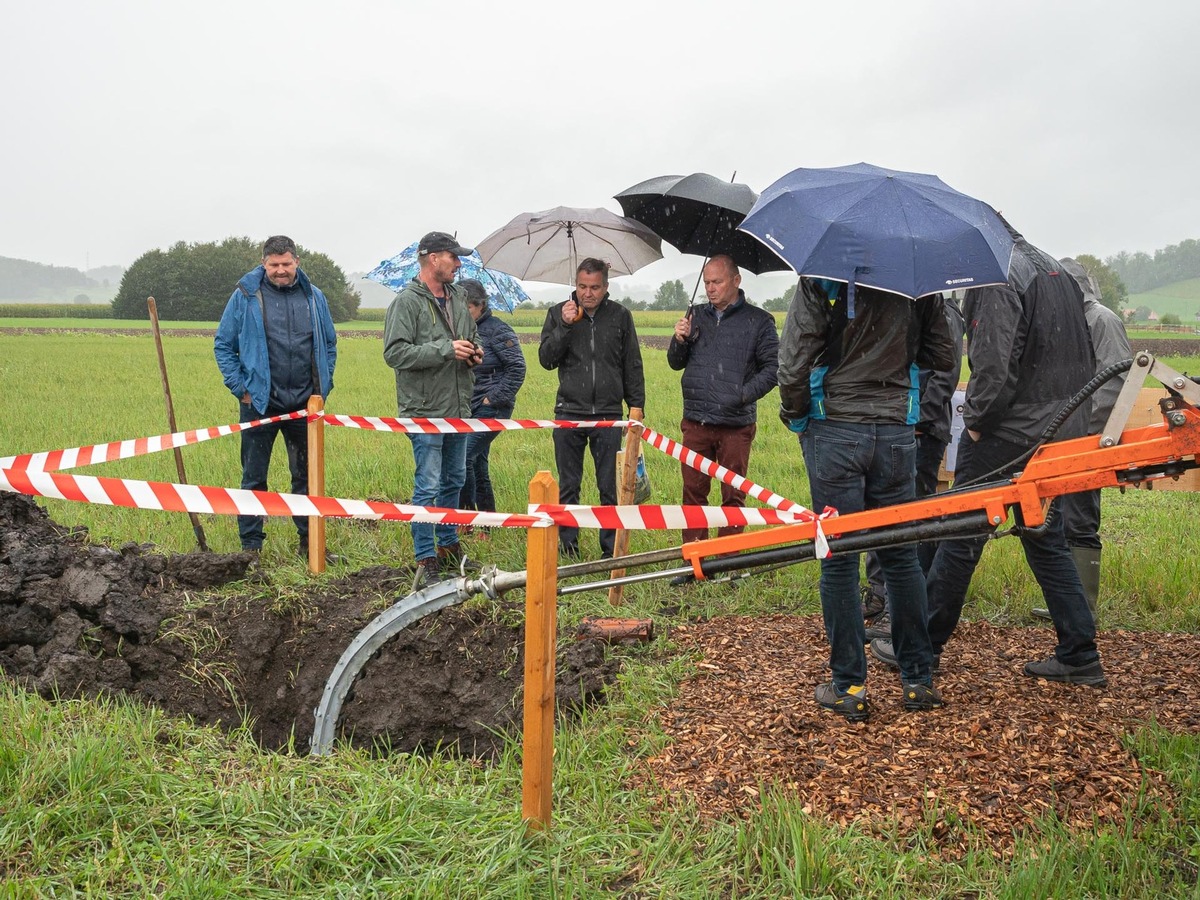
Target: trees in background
{"x": 670, "y": 295}
{"x": 1142, "y": 272}
{"x": 193, "y": 282}
{"x": 1113, "y": 292}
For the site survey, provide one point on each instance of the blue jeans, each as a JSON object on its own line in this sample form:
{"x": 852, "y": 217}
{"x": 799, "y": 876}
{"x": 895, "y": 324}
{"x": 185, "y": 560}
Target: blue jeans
{"x": 855, "y": 466}
{"x": 439, "y": 469}
{"x": 257, "y": 444}
{"x": 1046, "y": 552}
{"x": 477, "y": 489}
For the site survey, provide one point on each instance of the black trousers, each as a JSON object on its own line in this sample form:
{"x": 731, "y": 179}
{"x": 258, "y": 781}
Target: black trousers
{"x": 569, "y": 444}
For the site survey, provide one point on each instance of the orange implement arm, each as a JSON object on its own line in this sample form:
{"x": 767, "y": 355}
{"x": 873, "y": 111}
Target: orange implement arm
{"x": 1065, "y": 467}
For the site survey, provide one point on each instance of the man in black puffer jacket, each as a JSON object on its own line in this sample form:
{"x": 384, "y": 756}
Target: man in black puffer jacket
{"x": 729, "y": 354}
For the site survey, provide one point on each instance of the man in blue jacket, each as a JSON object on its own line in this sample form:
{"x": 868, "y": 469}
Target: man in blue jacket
{"x": 275, "y": 347}
{"x": 729, "y": 353}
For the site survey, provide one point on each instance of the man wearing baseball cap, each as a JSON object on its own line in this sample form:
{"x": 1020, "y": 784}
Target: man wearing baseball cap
{"x": 429, "y": 338}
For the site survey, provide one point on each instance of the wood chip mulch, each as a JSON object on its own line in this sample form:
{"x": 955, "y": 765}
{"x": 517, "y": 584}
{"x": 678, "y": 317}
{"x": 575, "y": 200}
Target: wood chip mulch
{"x": 1005, "y": 750}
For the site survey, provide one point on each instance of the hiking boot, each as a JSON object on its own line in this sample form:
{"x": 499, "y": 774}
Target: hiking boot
{"x": 331, "y": 559}
{"x": 453, "y": 560}
{"x": 883, "y": 651}
{"x": 1052, "y": 669}
{"x": 850, "y": 703}
{"x": 880, "y": 628}
{"x": 873, "y": 604}
{"x": 428, "y": 572}
{"x": 922, "y": 696}
{"x": 1040, "y": 612}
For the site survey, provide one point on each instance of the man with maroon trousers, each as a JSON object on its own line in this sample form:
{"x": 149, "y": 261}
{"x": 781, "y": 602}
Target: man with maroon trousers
{"x": 728, "y": 350}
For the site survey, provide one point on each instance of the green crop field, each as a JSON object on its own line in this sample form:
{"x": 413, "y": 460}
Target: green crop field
{"x": 109, "y": 799}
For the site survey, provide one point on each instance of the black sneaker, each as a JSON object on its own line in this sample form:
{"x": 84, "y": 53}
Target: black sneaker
{"x": 883, "y": 651}
{"x": 880, "y": 628}
{"x": 428, "y": 572}
{"x": 922, "y": 696}
{"x": 850, "y": 703}
{"x": 454, "y": 561}
{"x": 873, "y": 604}
{"x": 1053, "y": 670}
{"x": 331, "y": 559}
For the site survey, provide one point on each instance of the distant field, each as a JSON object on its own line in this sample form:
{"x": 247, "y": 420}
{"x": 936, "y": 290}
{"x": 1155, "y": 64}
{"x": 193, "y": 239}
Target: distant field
{"x": 1181, "y": 298}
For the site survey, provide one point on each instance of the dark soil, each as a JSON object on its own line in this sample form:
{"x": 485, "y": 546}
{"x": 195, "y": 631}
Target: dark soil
{"x": 81, "y": 620}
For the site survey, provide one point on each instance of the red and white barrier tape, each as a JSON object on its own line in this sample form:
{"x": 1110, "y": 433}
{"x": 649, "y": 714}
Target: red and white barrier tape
{"x": 38, "y": 474}
{"x": 737, "y": 482}
{"x": 159, "y": 495}
{"x": 57, "y": 460}
{"x": 461, "y": 426}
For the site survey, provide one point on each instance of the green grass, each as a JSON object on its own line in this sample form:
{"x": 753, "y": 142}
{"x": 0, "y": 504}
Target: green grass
{"x": 110, "y": 799}
{"x": 1181, "y": 298}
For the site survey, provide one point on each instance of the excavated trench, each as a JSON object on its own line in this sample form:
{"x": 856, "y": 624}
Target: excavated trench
{"x": 82, "y": 620}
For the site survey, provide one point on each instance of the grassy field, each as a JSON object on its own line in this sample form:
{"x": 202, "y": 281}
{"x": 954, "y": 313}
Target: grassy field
{"x": 108, "y": 799}
{"x": 1181, "y": 298}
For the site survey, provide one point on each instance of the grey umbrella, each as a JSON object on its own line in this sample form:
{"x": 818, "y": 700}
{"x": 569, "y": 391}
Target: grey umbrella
{"x": 548, "y": 245}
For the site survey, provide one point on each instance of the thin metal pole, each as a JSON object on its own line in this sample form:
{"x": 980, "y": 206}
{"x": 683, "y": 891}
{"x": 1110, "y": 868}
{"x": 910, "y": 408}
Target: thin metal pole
{"x": 197, "y": 528}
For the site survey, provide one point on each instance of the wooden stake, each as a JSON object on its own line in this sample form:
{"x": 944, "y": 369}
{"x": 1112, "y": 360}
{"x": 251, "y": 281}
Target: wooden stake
{"x": 541, "y": 632}
{"x": 197, "y": 528}
{"x": 316, "y": 484}
{"x": 626, "y": 486}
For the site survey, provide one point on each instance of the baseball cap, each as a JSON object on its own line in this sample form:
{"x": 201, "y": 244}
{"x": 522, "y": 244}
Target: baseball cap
{"x": 438, "y": 241}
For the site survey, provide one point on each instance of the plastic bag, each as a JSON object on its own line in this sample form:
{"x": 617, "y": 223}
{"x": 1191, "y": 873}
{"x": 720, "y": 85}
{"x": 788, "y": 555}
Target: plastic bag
{"x": 641, "y": 486}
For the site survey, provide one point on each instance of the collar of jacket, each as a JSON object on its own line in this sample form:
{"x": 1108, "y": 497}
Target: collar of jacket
{"x": 417, "y": 286}
{"x": 604, "y": 301}
{"x": 252, "y": 281}
{"x": 732, "y": 307}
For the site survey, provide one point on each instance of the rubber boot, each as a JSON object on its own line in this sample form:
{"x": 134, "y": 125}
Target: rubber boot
{"x": 1087, "y": 561}
{"x": 1087, "y": 564}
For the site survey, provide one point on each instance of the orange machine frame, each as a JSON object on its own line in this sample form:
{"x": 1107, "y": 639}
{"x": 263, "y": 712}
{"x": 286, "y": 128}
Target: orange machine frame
{"x": 1112, "y": 459}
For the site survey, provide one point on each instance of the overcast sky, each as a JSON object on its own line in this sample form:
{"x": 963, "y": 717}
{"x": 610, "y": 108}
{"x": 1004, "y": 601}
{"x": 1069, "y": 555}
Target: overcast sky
{"x": 355, "y": 127}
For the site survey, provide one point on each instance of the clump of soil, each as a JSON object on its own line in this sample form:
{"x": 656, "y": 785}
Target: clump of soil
{"x": 80, "y": 620}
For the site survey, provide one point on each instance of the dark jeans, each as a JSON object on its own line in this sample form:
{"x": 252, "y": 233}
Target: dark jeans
{"x": 930, "y": 452}
{"x": 1081, "y": 519}
{"x": 256, "y": 459}
{"x": 730, "y": 447}
{"x": 855, "y": 466}
{"x": 569, "y": 444}
{"x": 477, "y": 488}
{"x": 1046, "y": 553}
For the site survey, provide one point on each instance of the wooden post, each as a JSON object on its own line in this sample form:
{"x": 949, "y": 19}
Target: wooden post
{"x": 316, "y": 484}
{"x": 197, "y": 528}
{"x": 541, "y": 632}
{"x": 626, "y": 486}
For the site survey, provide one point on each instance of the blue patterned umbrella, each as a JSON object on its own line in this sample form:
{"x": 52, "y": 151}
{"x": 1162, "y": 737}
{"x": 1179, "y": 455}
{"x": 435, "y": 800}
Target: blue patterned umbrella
{"x": 504, "y": 291}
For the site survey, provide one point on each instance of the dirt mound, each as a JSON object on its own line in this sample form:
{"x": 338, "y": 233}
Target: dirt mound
{"x": 78, "y": 620}
{"x": 1005, "y": 750}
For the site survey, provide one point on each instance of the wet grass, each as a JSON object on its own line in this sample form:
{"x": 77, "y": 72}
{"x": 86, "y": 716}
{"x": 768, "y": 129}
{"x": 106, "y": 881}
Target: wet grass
{"x": 107, "y": 798}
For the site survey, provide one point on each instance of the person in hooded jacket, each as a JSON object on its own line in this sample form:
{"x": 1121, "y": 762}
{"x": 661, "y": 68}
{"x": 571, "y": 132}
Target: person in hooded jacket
{"x": 849, "y": 359}
{"x": 497, "y": 379}
{"x": 430, "y": 340}
{"x": 1081, "y": 512}
{"x": 275, "y": 346}
{"x": 729, "y": 353}
{"x": 1029, "y": 352}
{"x": 591, "y": 341}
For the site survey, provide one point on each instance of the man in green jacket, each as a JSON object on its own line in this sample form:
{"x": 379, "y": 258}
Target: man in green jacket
{"x": 429, "y": 338}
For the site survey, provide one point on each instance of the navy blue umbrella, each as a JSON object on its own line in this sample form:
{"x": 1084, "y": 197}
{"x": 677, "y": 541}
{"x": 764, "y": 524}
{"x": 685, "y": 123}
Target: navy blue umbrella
{"x": 902, "y": 232}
